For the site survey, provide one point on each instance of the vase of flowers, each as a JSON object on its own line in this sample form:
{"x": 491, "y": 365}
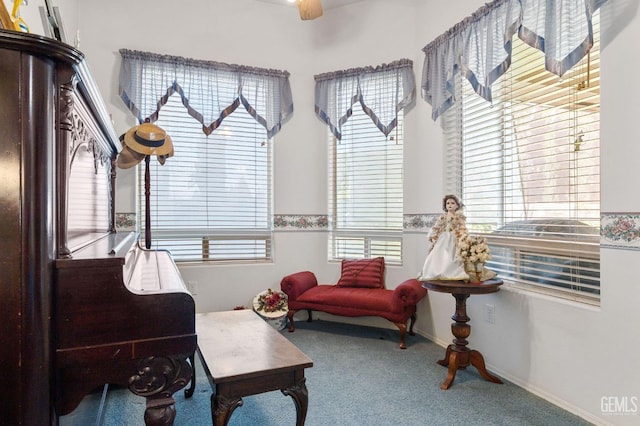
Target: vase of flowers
{"x": 474, "y": 253}
{"x": 272, "y": 307}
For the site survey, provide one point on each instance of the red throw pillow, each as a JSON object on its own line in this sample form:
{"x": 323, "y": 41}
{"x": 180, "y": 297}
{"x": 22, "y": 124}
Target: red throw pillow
{"x": 367, "y": 273}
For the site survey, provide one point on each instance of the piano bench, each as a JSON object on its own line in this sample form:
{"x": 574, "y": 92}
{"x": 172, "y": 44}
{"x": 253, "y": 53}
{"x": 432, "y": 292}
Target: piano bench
{"x": 251, "y": 368}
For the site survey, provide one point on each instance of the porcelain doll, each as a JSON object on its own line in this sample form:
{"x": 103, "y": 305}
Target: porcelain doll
{"x": 442, "y": 262}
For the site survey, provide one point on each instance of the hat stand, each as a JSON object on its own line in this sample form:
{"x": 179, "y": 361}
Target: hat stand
{"x": 146, "y": 144}
{"x": 147, "y": 201}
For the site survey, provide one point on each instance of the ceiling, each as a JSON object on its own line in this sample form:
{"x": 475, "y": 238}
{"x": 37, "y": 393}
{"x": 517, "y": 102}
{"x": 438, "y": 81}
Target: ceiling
{"x": 326, "y": 4}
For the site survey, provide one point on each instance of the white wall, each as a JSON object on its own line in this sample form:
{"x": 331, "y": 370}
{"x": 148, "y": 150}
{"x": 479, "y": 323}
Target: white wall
{"x": 570, "y": 354}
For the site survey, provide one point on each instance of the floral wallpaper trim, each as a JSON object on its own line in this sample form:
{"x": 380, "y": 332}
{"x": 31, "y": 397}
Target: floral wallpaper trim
{"x": 620, "y": 230}
{"x": 419, "y": 222}
{"x": 411, "y": 222}
{"x": 297, "y": 222}
{"x": 617, "y": 230}
{"x": 282, "y": 222}
{"x": 125, "y": 222}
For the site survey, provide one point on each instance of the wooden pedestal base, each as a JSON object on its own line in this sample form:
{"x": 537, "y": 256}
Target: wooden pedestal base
{"x": 458, "y": 356}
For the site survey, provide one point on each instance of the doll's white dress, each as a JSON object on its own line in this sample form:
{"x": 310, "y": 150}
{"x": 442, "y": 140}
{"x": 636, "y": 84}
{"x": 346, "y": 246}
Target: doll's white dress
{"x": 441, "y": 262}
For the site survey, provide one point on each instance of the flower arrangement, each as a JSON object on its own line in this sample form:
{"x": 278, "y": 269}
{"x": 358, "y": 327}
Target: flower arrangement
{"x": 272, "y": 301}
{"x": 473, "y": 249}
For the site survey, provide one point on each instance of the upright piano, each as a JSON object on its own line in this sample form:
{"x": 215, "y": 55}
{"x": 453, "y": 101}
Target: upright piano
{"x": 81, "y": 305}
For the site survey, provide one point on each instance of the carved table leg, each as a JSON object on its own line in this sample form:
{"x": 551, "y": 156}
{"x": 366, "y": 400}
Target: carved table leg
{"x": 300, "y": 396}
{"x": 222, "y": 408}
{"x": 458, "y": 356}
{"x": 445, "y": 361}
{"x": 477, "y": 360}
{"x": 451, "y": 373}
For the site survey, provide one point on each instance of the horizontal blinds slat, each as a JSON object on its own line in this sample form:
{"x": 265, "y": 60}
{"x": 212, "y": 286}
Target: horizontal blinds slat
{"x": 364, "y": 158}
{"x": 366, "y": 190}
{"x": 90, "y": 184}
{"x": 184, "y": 249}
{"x": 528, "y": 168}
{"x": 213, "y": 185}
{"x": 354, "y": 247}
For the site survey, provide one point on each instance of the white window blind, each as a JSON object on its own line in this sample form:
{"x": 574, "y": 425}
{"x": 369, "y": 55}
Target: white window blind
{"x": 89, "y": 215}
{"x": 528, "y": 170}
{"x": 365, "y": 196}
{"x": 212, "y": 200}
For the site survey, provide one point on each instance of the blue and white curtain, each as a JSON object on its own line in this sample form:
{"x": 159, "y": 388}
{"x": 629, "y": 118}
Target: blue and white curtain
{"x": 480, "y": 46}
{"x": 382, "y": 92}
{"x": 209, "y": 90}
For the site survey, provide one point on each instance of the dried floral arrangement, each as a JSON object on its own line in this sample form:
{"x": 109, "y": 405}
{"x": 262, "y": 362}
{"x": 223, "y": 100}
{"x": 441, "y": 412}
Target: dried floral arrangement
{"x": 473, "y": 249}
{"x": 272, "y": 301}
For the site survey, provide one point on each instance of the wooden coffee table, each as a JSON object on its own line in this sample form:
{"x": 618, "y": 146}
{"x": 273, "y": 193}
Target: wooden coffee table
{"x": 458, "y": 355}
{"x": 242, "y": 355}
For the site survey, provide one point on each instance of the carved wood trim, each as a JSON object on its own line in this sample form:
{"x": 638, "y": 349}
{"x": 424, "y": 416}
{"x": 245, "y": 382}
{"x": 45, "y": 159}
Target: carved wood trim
{"x": 158, "y": 378}
{"x": 63, "y": 129}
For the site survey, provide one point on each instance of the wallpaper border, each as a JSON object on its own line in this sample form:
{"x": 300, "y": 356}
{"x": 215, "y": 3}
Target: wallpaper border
{"x": 125, "y": 222}
{"x": 300, "y": 222}
{"x": 618, "y": 230}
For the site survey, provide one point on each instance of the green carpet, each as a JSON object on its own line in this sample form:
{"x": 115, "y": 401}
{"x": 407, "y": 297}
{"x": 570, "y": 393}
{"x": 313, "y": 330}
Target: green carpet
{"x": 361, "y": 377}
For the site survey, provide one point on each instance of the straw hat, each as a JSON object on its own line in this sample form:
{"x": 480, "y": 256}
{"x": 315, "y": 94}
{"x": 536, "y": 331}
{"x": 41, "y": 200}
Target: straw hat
{"x": 148, "y": 139}
{"x": 128, "y": 157}
{"x": 163, "y": 158}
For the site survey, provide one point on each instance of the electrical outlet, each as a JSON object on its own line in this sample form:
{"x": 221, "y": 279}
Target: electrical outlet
{"x": 192, "y": 287}
{"x": 490, "y": 314}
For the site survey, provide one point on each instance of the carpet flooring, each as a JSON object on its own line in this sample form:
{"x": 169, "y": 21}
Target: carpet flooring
{"x": 360, "y": 377}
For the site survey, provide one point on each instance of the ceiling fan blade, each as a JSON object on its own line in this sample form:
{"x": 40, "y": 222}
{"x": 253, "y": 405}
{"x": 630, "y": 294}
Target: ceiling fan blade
{"x": 309, "y": 9}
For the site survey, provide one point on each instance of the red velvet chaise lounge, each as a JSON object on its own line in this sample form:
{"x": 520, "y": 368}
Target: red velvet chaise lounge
{"x": 359, "y": 292}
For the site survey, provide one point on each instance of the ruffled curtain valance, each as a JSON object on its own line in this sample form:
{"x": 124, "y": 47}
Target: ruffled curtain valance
{"x": 382, "y": 91}
{"x": 480, "y": 46}
{"x": 209, "y": 90}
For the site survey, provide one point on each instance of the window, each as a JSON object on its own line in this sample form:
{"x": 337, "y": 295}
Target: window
{"x": 365, "y": 196}
{"x": 528, "y": 170}
{"x": 212, "y": 200}
{"x": 364, "y": 109}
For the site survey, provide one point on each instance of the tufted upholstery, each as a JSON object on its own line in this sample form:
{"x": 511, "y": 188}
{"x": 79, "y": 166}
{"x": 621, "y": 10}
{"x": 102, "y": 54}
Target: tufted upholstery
{"x": 397, "y": 305}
